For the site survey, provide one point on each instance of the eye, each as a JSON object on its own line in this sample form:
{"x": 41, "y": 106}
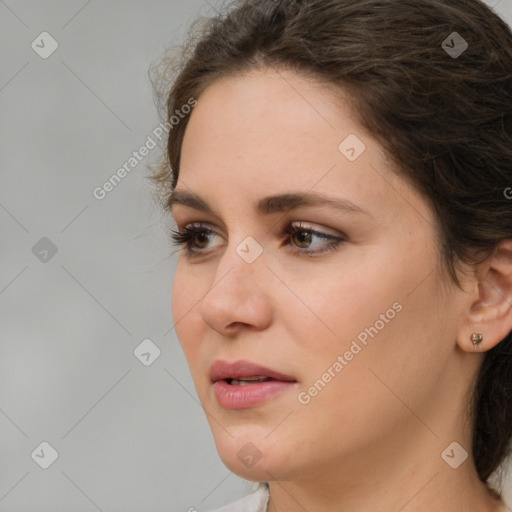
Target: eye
{"x": 304, "y": 236}
{"x": 192, "y": 237}
{"x": 298, "y": 238}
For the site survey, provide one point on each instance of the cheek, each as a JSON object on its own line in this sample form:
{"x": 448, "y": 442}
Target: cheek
{"x": 378, "y": 301}
{"x": 184, "y": 302}
{"x": 342, "y": 300}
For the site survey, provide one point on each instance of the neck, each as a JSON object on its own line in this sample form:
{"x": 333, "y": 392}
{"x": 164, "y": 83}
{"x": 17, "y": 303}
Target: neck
{"x": 416, "y": 492}
{"x": 401, "y": 475}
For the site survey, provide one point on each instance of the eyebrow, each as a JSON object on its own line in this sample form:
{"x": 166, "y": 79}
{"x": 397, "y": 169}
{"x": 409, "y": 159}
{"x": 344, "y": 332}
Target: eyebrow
{"x": 270, "y": 204}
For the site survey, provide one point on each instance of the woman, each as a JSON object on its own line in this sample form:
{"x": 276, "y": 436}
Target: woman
{"x": 344, "y": 293}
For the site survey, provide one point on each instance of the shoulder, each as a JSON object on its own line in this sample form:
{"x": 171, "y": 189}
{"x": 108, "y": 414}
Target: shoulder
{"x": 256, "y": 501}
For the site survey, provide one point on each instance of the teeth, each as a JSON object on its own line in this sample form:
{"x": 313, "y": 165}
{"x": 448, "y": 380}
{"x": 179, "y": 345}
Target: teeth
{"x": 255, "y": 377}
{"x": 243, "y": 381}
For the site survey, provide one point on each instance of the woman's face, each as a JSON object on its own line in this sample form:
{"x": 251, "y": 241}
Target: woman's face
{"x": 357, "y": 313}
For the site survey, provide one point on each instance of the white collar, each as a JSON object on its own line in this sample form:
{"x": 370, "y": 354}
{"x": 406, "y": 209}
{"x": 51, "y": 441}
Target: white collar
{"x": 256, "y": 501}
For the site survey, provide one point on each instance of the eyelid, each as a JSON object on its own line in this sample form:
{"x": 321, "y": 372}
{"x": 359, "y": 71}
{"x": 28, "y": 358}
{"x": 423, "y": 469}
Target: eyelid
{"x": 317, "y": 228}
{"x": 185, "y": 235}
{"x": 298, "y": 224}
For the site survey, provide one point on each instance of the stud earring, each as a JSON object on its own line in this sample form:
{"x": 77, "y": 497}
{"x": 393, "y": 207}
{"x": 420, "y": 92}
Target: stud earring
{"x": 476, "y": 338}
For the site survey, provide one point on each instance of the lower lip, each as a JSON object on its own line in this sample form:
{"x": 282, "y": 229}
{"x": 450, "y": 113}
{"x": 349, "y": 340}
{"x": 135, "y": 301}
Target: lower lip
{"x": 248, "y": 395}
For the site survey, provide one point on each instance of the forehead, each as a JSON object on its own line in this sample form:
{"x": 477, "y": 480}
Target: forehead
{"x": 268, "y": 132}
{"x": 268, "y": 101}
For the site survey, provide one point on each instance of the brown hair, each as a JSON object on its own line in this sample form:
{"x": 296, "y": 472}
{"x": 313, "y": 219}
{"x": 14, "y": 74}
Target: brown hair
{"x": 444, "y": 119}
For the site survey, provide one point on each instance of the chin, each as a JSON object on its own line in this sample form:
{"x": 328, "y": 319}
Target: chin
{"x": 258, "y": 473}
{"x": 253, "y": 457}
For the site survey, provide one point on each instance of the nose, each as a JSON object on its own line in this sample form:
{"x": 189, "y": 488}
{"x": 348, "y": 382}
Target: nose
{"x": 238, "y": 296}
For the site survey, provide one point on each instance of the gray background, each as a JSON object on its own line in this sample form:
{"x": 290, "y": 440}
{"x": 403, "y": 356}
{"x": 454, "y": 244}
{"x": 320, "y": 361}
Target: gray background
{"x": 129, "y": 437}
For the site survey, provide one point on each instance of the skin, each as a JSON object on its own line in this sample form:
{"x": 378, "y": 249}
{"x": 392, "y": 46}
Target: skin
{"x": 372, "y": 439}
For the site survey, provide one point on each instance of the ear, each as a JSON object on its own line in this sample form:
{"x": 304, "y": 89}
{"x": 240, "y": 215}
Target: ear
{"x": 490, "y": 312}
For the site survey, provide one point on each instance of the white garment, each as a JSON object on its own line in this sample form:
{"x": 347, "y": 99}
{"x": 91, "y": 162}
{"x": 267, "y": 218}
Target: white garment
{"x": 257, "y": 501}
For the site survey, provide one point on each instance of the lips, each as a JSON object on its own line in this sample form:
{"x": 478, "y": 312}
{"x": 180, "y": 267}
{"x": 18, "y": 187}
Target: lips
{"x": 243, "y": 385}
{"x": 224, "y": 370}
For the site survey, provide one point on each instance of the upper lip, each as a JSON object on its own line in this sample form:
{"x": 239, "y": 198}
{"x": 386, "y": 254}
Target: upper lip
{"x": 220, "y": 370}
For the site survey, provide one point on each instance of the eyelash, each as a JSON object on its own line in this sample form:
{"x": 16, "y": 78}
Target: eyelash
{"x": 186, "y": 236}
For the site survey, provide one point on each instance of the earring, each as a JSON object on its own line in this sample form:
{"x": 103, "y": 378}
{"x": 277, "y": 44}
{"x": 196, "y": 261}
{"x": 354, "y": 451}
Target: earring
{"x": 476, "y": 338}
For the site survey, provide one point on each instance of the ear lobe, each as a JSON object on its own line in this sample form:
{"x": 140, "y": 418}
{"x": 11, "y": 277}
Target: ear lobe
{"x": 491, "y": 311}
